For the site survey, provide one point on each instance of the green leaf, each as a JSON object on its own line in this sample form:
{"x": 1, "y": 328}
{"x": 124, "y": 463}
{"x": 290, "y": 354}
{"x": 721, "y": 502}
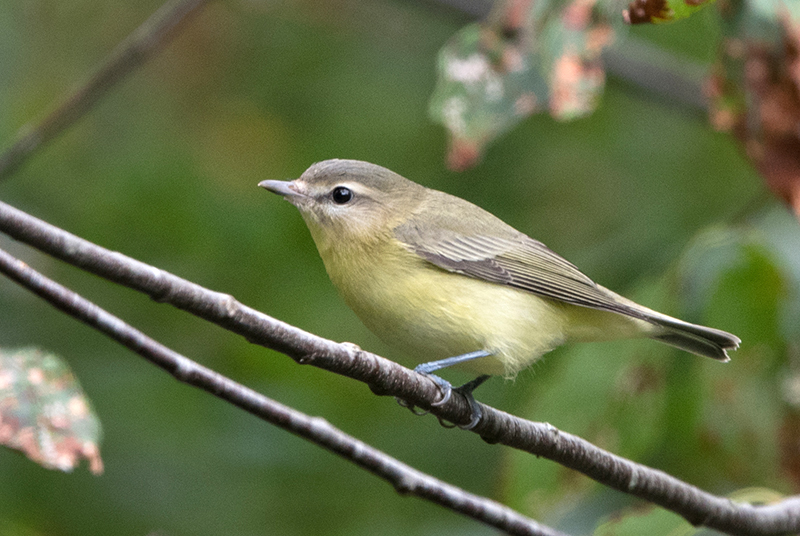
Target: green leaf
{"x": 651, "y": 521}
{"x": 654, "y": 521}
{"x": 44, "y": 412}
{"x": 736, "y": 279}
{"x": 736, "y": 276}
{"x": 658, "y": 11}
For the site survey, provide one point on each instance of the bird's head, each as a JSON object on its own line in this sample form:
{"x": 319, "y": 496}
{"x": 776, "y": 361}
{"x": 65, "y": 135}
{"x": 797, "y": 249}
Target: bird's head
{"x": 349, "y": 199}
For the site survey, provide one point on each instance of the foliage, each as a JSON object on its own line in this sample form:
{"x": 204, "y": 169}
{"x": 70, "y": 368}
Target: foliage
{"x": 756, "y": 89}
{"x": 656, "y": 522}
{"x": 526, "y": 57}
{"x": 659, "y": 11}
{"x": 44, "y": 412}
{"x": 534, "y": 56}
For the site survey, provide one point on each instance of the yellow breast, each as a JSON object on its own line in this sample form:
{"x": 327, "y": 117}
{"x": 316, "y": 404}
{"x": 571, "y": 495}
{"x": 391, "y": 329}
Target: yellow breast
{"x": 429, "y": 314}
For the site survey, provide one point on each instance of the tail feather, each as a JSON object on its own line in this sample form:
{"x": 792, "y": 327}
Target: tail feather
{"x": 700, "y": 340}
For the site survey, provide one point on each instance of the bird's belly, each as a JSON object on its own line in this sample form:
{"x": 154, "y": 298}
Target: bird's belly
{"x": 434, "y": 314}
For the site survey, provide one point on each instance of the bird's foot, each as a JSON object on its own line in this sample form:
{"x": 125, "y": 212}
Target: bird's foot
{"x": 444, "y": 387}
{"x": 447, "y": 392}
{"x": 475, "y": 408}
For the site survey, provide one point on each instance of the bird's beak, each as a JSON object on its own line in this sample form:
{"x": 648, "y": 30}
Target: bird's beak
{"x": 288, "y": 189}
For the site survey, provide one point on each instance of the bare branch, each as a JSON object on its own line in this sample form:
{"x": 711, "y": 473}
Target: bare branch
{"x": 389, "y": 378}
{"x": 405, "y": 479}
{"x": 137, "y": 48}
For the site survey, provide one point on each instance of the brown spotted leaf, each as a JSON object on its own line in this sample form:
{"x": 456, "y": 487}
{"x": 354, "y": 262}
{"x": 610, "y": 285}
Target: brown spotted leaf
{"x": 44, "y": 412}
{"x": 527, "y": 57}
{"x": 755, "y": 90}
{"x": 658, "y": 11}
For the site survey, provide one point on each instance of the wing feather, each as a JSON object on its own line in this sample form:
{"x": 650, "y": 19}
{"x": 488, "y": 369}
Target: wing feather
{"x": 515, "y": 260}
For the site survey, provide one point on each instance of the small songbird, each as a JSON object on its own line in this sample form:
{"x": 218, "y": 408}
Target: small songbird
{"x": 448, "y": 283}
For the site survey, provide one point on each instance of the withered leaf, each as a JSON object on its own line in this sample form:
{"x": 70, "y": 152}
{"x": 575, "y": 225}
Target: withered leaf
{"x": 44, "y": 412}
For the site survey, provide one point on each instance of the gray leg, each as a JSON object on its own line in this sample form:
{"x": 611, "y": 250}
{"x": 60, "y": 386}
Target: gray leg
{"x": 444, "y": 385}
{"x": 447, "y": 389}
{"x": 427, "y": 368}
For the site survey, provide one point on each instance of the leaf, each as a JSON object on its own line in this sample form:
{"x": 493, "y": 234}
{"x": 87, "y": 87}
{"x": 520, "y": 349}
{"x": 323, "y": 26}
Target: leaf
{"x": 653, "y": 521}
{"x": 747, "y": 281}
{"x": 658, "y": 11}
{"x": 755, "y": 89}
{"x": 527, "y": 57}
{"x": 650, "y": 520}
{"x": 44, "y": 412}
{"x": 744, "y": 264}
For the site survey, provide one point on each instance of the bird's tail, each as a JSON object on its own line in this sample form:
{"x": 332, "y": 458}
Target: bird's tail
{"x": 700, "y": 340}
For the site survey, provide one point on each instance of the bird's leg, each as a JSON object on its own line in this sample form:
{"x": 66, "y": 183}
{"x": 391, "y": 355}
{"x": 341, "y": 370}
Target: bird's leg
{"x": 444, "y": 385}
{"x": 427, "y": 368}
{"x": 447, "y": 389}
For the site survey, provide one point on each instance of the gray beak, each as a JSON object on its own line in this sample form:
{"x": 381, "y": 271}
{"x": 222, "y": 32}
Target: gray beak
{"x": 285, "y": 188}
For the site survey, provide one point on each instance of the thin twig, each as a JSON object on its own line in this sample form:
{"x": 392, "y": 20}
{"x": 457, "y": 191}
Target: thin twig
{"x": 405, "y": 479}
{"x": 386, "y": 377}
{"x": 137, "y": 48}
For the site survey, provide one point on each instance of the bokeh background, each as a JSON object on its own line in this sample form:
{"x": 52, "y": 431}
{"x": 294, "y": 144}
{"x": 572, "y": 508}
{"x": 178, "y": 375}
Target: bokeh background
{"x": 642, "y": 195}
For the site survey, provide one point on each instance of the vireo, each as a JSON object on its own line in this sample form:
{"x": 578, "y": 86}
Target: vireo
{"x": 450, "y": 284}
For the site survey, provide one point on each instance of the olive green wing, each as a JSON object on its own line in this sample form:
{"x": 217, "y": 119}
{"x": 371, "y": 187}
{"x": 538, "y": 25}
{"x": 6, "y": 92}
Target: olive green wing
{"x": 515, "y": 260}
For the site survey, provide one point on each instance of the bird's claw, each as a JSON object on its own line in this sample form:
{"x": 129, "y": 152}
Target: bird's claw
{"x": 475, "y": 409}
{"x": 466, "y": 390}
{"x": 447, "y": 394}
{"x": 477, "y": 413}
{"x": 411, "y": 407}
{"x": 445, "y": 388}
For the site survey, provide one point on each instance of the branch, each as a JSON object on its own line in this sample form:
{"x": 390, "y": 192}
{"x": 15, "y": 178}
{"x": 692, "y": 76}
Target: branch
{"x": 405, "y": 479}
{"x": 137, "y": 48}
{"x": 386, "y": 377}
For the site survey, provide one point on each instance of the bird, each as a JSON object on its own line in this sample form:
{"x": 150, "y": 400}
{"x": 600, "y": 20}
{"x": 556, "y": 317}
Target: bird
{"x": 450, "y": 284}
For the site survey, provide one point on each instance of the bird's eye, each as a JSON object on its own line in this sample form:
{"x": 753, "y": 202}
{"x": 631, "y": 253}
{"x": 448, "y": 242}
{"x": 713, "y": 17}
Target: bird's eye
{"x": 341, "y": 195}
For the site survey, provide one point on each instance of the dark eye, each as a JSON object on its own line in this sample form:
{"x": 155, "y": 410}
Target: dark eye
{"x": 341, "y": 195}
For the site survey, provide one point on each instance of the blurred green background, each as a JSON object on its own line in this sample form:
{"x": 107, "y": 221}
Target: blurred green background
{"x": 642, "y": 195}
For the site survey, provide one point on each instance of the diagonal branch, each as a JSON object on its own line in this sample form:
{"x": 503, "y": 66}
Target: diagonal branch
{"x": 137, "y": 48}
{"x": 405, "y": 479}
{"x": 386, "y": 377}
